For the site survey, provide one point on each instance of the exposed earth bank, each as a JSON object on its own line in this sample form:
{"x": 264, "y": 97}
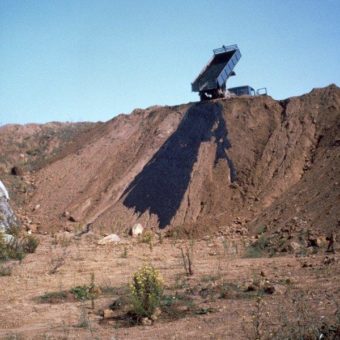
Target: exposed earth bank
{"x": 244, "y": 161}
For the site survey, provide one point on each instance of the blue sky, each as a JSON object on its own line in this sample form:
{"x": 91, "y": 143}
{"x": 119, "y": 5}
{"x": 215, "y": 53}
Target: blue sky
{"x": 77, "y": 60}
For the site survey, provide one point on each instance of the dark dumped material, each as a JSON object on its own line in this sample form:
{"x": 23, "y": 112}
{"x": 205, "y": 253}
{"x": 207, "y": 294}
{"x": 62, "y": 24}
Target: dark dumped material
{"x": 162, "y": 183}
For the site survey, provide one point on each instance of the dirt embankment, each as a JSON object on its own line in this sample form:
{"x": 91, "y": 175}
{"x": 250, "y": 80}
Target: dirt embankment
{"x": 248, "y": 161}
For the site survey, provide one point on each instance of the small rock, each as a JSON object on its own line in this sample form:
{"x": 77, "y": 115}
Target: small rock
{"x": 68, "y": 228}
{"x": 33, "y": 228}
{"x": 269, "y": 289}
{"x": 328, "y": 260}
{"x": 156, "y": 314}
{"x": 72, "y": 218}
{"x": 279, "y": 289}
{"x": 36, "y": 207}
{"x": 136, "y": 230}
{"x": 112, "y": 238}
{"x": 66, "y": 214}
{"x": 251, "y": 288}
{"x": 16, "y": 171}
{"x": 146, "y": 322}
{"x": 294, "y": 246}
{"x": 108, "y": 313}
{"x": 7, "y": 238}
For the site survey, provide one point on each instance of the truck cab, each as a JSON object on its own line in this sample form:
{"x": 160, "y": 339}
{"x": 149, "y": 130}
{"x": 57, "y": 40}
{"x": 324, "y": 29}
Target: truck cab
{"x": 245, "y": 90}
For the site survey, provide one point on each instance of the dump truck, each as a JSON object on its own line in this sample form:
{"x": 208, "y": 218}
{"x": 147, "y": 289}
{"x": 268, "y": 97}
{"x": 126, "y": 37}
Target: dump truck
{"x": 211, "y": 82}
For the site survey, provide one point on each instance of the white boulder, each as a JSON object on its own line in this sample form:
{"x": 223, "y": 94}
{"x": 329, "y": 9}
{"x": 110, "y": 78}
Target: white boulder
{"x": 136, "y": 230}
{"x": 112, "y": 238}
{"x": 3, "y": 191}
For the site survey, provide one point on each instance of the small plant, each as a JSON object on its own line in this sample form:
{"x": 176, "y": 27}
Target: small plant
{"x": 30, "y": 244}
{"x": 147, "y": 238}
{"x": 57, "y": 262}
{"x": 187, "y": 258}
{"x": 11, "y": 249}
{"x": 225, "y": 247}
{"x": 13, "y": 230}
{"x": 258, "y": 248}
{"x": 261, "y": 229}
{"x": 84, "y": 321}
{"x": 62, "y": 240}
{"x": 81, "y": 292}
{"x": 124, "y": 253}
{"x": 5, "y": 271}
{"x": 86, "y": 292}
{"x": 53, "y": 297}
{"x": 146, "y": 291}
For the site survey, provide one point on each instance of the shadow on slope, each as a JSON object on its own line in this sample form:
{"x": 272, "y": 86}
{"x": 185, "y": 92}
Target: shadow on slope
{"x": 162, "y": 183}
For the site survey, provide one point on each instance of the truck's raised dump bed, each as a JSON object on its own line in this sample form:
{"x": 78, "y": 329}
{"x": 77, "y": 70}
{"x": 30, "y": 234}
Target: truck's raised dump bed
{"x": 218, "y": 70}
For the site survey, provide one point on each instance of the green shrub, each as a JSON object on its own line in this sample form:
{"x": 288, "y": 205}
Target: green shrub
{"x": 146, "y": 291}
{"x": 11, "y": 250}
{"x": 258, "y": 248}
{"x": 13, "y": 230}
{"x": 53, "y": 297}
{"x": 5, "y": 271}
{"x": 30, "y": 244}
{"x": 17, "y": 248}
{"x": 147, "y": 238}
{"x": 261, "y": 229}
{"x": 82, "y": 292}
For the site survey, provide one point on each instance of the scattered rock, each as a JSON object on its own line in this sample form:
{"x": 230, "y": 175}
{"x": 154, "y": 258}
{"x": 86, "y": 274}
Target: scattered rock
{"x": 328, "y": 260}
{"x": 119, "y": 303}
{"x": 251, "y": 288}
{"x": 295, "y": 246}
{"x": 269, "y": 289}
{"x": 36, "y": 207}
{"x": 156, "y": 314}
{"x": 16, "y": 171}
{"x": 66, "y": 214}
{"x": 108, "y": 313}
{"x": 33, "y": 228}
{"x": 7, "y": 238}
{"x": 280, "y": 289}
{"x": 146, "y": 322}
{"x": 68, "y": 228}
{"x": 306, "y": 264}
{"x": 112, "y": 238}
{"x": 136, "y": 230}
{"x": 72, "y": 218}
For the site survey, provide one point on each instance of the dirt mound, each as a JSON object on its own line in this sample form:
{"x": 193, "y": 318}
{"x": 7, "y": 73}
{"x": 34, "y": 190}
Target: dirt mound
{"x": 248, "y": 161}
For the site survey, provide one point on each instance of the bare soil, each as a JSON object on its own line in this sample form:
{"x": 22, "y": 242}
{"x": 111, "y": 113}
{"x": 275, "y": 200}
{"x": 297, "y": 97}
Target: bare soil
{"x": 212, "y": 304}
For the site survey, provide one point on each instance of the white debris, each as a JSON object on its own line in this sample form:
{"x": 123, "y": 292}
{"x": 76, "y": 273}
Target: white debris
{"x": 112, "y": 238}
{"x": 137, "y": 229}
{"x": 3, "y": 191}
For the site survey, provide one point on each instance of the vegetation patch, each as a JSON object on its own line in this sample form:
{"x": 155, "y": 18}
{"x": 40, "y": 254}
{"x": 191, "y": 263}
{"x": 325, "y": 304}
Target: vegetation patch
{"x": 259, "y": 248}
{"x": 146, "y": 291}
{"x": 17, "y": 247}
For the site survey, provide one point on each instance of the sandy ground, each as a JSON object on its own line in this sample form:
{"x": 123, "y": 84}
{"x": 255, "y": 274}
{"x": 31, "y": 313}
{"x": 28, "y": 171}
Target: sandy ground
{"x": 216, "y": 262}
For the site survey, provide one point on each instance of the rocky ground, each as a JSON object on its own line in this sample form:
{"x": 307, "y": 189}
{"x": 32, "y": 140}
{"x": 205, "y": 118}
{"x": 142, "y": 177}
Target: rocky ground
{"x": 229, "y": 296}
